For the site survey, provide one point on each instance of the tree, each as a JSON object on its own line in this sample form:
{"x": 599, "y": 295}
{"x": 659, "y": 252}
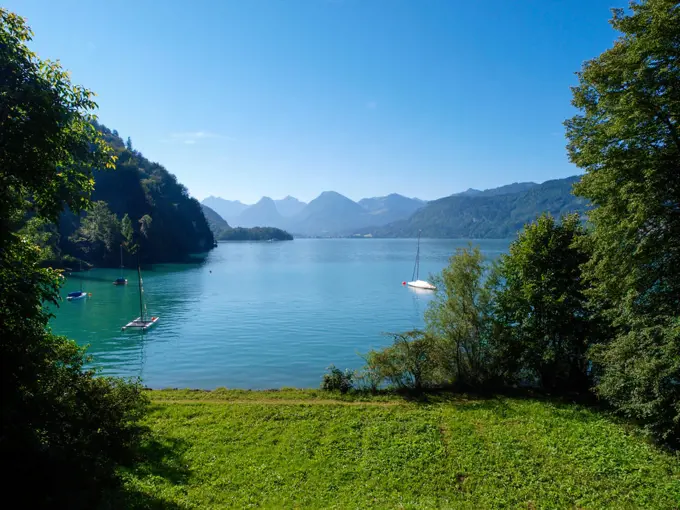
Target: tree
{"x": 100, "y": 230}
{"x": 60, "y": 426}
{"x": 127, "y": 231}
{"x": 44, "y": 125}
{"x": 627, "y": 139}
{"x": 128, "y": 144}
{"x": 145, "y": 225}
{"x": 459, "y": 318}
{"x": 543, "y": 327}
{"x": 44, "y": 235}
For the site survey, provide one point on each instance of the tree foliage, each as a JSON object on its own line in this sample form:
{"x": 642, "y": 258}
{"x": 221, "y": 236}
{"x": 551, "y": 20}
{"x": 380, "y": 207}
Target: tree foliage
{"x": 166, "y": 224}
{"x": 409, "y": 363}
{"x": 60, "y": 428}
{"x": 99, "y": 232}
{"x": 44, "y": 123}
{"x": 337, "y": 380}
{"x": 627, "y": 139}
{"x": 126, "y": 231}
{"x": 459, "y": 317}
{"x": 254, "y": 234}
{"x": 543, "y": 326}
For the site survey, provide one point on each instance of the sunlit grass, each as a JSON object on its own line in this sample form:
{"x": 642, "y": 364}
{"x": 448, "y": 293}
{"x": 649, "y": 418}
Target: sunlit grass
{"x": 292, "y": 448}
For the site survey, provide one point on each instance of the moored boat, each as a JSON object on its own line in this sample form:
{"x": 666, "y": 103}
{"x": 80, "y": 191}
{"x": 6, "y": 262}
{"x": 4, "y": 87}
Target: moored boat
{"x": 415, "y": 282}
{"x": 142, "y": 322}
{"x": 121, "y": 280}
{"x": 79, "y": 294}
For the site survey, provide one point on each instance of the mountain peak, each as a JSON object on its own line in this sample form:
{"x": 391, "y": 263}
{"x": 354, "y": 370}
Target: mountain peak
{"x": 289, "y": 206}
{"x": 262, "y": 214}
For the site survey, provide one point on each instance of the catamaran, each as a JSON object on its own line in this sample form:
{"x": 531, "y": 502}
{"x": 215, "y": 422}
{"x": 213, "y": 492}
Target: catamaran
{"x": 141, "y": 322}
{"x": 121, "y": 280}
{"x": 416, "y": 282}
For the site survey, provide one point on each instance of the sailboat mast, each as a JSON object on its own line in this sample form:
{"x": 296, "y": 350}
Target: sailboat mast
{"x": 141, "y": 302}
{"x": 416, "y": 267}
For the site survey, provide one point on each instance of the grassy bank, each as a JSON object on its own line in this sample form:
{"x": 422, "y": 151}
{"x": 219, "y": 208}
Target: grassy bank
{"x": 306, "y": 449}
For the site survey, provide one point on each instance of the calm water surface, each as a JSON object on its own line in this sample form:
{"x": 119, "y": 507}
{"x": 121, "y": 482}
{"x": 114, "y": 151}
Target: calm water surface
{"x": 256, "y": 315}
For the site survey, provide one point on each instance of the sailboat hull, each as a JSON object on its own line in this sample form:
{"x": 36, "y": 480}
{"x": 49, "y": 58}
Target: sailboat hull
{"x": 139, "y": 323}
{"x": 420, "y": 284}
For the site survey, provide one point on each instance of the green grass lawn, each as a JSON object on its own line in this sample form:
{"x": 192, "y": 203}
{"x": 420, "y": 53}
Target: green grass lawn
{"x": 306, "y": 449}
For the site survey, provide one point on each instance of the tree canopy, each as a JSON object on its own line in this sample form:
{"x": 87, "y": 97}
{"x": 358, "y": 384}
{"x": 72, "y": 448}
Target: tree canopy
{"x": 543, "y": 326}
{"x": 59, "y": 424}
{"x": 164, "y": 223}
{"x": 627, "y": 139}
{"x": 48, "y": 144}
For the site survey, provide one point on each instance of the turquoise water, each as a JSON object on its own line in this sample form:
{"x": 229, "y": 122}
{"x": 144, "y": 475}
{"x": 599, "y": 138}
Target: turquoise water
{"x": 256, "y": 315}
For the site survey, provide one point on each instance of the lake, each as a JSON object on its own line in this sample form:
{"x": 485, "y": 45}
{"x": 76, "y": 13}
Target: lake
{"x": 256, "y": 315}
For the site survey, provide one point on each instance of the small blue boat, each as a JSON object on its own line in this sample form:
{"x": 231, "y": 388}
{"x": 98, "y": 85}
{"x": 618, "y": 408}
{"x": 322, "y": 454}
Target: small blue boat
{"x": 78, "y": 294}
{"x": 121, "y": 280}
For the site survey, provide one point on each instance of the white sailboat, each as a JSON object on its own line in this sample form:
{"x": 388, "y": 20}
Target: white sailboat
{"x": 141, "y": 322}
{"x": 416, "y": 282}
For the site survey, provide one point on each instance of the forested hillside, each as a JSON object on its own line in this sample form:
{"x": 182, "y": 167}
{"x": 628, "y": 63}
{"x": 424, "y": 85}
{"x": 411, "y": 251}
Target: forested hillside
{"x": 215, "y": 221}
{"x": 140, "y": 205}
{"x": 223, "y": 232}
{"x": 486, "y": 214}
{"x": 254, "y": 234}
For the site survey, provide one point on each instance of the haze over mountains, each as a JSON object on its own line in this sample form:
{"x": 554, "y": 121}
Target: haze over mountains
{"x": 328, "y": 214}
{"x": 492, "y": 213}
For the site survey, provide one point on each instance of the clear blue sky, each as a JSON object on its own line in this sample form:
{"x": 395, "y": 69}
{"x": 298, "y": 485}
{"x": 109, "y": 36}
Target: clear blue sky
{"x": 244, "y": 98}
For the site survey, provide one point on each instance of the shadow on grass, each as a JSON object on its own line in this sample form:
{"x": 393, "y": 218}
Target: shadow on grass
{"x": 156, "y": 458}
{"x": 495, "y": 399}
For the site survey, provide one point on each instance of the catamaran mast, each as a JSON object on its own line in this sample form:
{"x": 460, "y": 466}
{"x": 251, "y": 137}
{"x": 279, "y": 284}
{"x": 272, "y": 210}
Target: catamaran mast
{"x": 141, "y": 290}
{"x": 416, "y": 267}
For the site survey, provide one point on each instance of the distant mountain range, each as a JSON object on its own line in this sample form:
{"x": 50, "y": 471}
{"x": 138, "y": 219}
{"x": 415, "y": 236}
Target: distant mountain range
{"x": 329, "y": 214}
{"x": 289, "y": 206}
{"x": 238, "y": 214}
{"x": 262, "y": 214}
{"x": 497, "y": 213}
{"x": 515, "y": 187}
{"x": 229, "y": 210}
{"x": 492, "y": 213}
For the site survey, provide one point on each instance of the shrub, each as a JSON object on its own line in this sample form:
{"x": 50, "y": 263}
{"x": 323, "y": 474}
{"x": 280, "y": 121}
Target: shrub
{"x": 368, "y": 379}
{"x": 410, "y": 362}
{"x": 337, "y": 380}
